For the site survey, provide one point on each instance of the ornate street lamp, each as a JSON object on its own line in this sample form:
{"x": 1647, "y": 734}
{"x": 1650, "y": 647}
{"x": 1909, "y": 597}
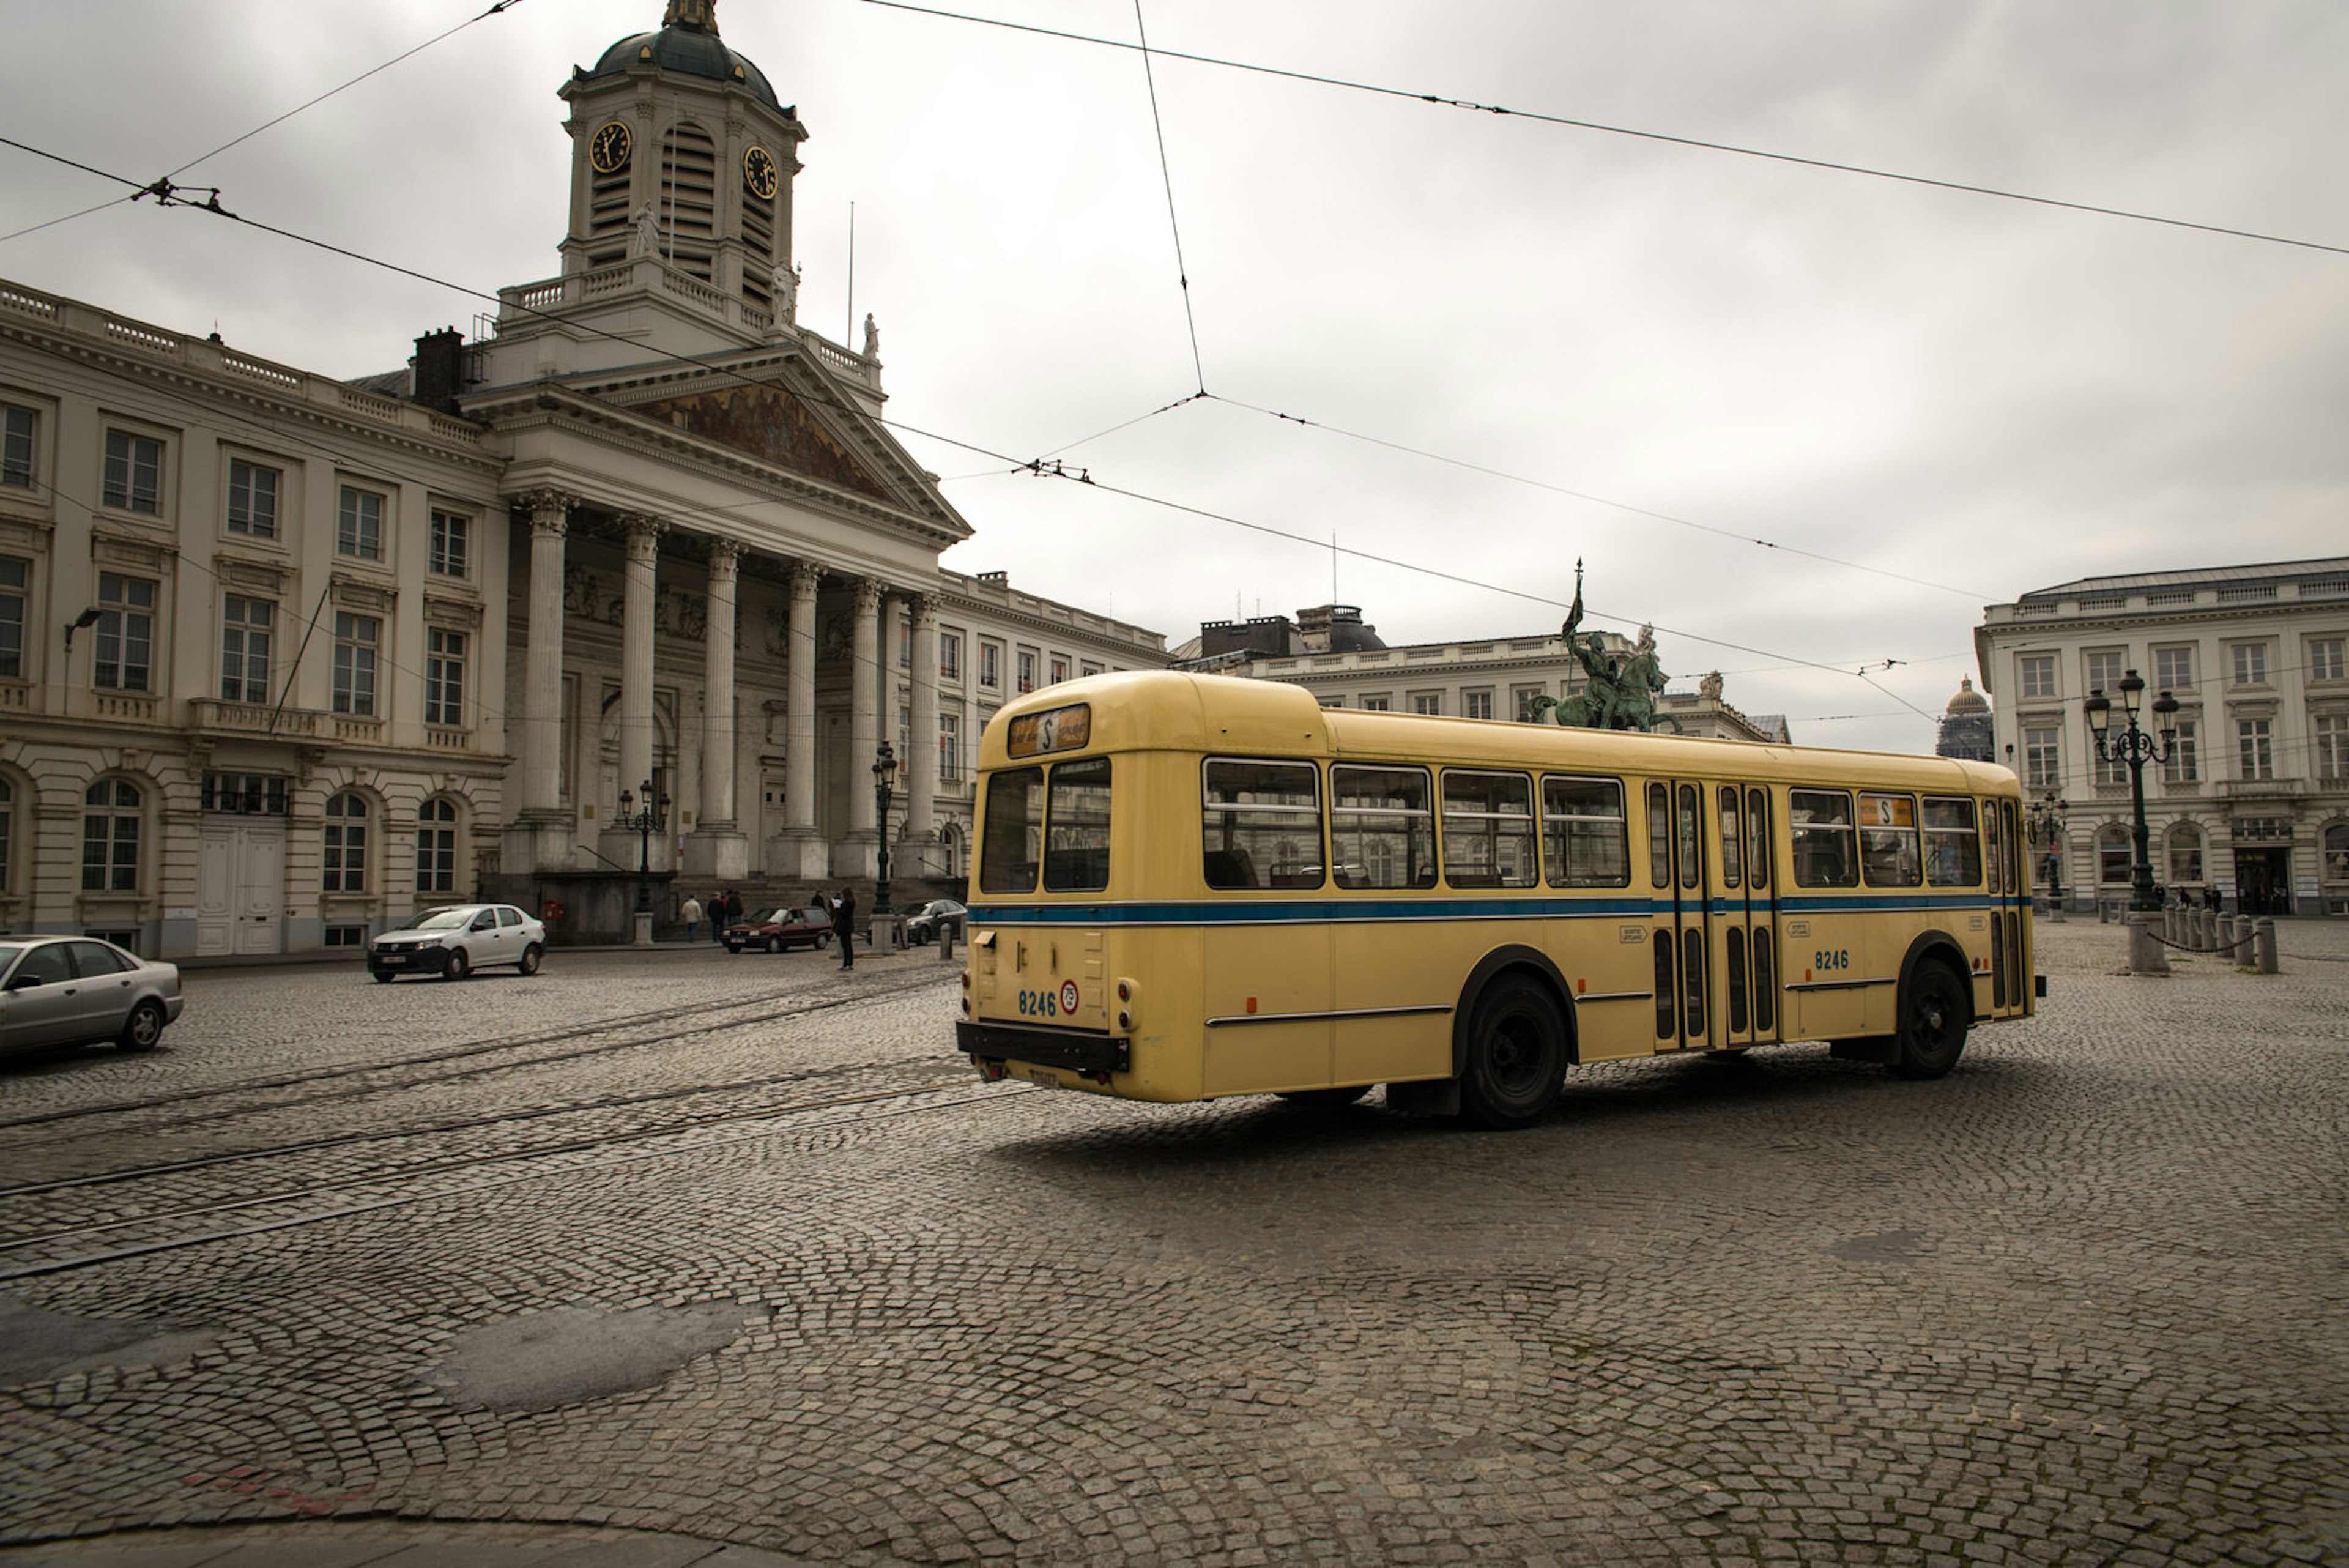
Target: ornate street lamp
{"x": 645, "y": 817}
{"x": 2045, "y": 821}
{"x": 884, "y": 774}
{"x": 2134, "y": 747}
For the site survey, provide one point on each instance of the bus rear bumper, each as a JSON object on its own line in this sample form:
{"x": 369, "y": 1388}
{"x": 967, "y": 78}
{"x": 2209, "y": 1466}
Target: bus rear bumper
{"x": 1074, "y": 1049}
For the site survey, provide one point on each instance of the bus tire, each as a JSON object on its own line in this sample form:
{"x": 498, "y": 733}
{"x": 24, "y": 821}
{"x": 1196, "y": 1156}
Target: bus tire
{"x": 1934, "y": 1015}
{"x": 1516, "y": 1054}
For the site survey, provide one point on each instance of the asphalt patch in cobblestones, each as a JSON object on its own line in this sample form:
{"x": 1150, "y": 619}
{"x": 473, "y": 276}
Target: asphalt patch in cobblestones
{"x": 546, "y": 1360}
{"x": 36, "y": 1344}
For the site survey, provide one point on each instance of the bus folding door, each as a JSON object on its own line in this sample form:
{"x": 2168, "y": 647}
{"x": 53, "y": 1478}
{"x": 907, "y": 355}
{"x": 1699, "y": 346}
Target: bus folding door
{"x": 1742, "y": 926}
{"x": 1681, "y": 938}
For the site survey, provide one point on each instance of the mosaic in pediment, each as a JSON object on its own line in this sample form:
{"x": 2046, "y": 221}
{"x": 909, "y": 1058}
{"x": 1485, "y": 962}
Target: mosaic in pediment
{"x": 772, "y": 424}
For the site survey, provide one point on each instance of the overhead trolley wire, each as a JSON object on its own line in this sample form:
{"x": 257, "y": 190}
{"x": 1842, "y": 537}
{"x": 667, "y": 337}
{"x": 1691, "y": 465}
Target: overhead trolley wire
{"x": 1441, "y": 101}
{"x": 1167, "y": 173}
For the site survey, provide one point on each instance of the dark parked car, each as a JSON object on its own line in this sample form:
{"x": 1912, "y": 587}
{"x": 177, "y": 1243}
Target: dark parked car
{"x": 923, "y": 924}
{"x": 455, "y": 941}
{"x": 777, "y": 929}
{"x": 62, "y": 991}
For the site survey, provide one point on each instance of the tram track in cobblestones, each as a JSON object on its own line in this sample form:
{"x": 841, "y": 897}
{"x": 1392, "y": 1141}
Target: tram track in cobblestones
{"x": 761, "y": 1010}
{"x": 832, "y": 1111}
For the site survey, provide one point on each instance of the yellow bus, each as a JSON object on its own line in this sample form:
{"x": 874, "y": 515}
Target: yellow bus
{"x": 1187, "y": 887}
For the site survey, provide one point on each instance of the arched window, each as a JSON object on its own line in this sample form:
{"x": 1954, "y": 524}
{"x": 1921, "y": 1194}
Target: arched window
{"x": 7, "y": 835}
{"x": 347, "y": 843}
{"x": 2113, "y": 857}
{"x": 2336, "y": 855}
{"x": 436, "y": 847}
{"x": 2184, "y": 855}
{"x": 110, "y": 837}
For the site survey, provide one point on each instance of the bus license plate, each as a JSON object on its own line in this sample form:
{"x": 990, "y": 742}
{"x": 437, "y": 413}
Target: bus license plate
{"x": 1042, "y": 1079}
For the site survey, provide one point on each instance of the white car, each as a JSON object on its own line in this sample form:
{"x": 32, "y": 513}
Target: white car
{"x": 455, "y": 940}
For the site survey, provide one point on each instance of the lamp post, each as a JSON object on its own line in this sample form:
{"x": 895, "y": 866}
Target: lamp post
{"x": 645, "y": 813}
{"x": 884, "y": 774}
{"x": 2134, "y": 747}
{"x": 2046, "y": 823}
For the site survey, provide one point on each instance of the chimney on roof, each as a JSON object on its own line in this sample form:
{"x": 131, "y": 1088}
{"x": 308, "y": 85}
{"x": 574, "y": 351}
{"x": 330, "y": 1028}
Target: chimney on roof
{"x": 440, "y": 368}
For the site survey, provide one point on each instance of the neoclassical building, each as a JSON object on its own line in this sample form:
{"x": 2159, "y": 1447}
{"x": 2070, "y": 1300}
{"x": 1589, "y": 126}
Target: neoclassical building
{"x": 284, "y": 657}
{"x": 2252, "y": 804}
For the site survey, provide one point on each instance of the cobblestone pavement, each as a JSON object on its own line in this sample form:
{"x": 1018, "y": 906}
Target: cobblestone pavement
{"x": 663, "y": 1253}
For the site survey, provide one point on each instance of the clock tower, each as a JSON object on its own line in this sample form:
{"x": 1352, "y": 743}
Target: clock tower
{"x": 681, "y": 151}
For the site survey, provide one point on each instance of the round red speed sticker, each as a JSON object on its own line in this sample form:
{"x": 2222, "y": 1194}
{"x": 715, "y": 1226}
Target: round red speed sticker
{"x": 1068, "y": 996}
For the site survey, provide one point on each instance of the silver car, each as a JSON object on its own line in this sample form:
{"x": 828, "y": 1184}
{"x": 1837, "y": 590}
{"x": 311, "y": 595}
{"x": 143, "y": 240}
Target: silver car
{"x": 63, "y": 991}
{"x": 456, "y": 939}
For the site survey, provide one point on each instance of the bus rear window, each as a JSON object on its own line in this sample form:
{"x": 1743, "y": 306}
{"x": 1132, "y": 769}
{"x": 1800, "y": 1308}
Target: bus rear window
{"x": 1583, "y": 833}
{"x": 1260, "y": 824}
{"x": 1382, "y": 833}
{"x": 1076, "y": 828}
{"x": 1819, "y": 823}
{"x": 1013, "y": 833}
{"x": 1952, "y": 849}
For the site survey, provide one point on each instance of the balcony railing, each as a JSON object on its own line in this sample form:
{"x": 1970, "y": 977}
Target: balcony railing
{"x": 252, "y": 718}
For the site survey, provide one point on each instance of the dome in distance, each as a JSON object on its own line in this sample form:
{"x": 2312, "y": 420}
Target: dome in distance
{"x": 1968, "y": 699}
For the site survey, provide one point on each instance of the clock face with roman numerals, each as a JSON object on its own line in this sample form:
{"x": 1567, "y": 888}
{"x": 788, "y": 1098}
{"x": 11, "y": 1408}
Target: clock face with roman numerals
{"x": 609, "y": 149}
{"x": 758, "y": 173}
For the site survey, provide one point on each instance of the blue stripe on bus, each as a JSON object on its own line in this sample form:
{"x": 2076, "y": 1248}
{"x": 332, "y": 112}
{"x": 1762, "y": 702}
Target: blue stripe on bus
{"x": 1349, "y": 911}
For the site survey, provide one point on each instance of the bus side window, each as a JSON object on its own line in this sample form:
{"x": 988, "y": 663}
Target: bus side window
{"x": 1660, "y": 835}
{"x": 1820, "y": 823}
{"x": 1488, "y": 829}
{"x": 1260, "y": 824}
{"x": 1381, "y": 826}
{"x": 1952, "y": 849}
{"x": 1011, "y": 837}
{"x": 1733, "y": 862}
{"x": 1757, "y": 838}
{"x": 1887, "y": 840}
{"x": 1584, "y": 836}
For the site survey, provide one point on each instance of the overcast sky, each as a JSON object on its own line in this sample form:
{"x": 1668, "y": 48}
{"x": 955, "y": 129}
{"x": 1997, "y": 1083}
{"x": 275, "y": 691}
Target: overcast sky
{"x": 1643, "y": 354}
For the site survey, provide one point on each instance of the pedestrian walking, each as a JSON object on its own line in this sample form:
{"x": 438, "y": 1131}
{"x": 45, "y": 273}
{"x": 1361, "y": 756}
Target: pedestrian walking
{"x": 721, "y": 915}
{"x": 844, "y": 926}
{"x": 692, "y": 916}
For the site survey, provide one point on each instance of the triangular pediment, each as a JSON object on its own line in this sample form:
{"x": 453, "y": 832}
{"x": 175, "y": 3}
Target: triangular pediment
{"x": 768, "y": 422}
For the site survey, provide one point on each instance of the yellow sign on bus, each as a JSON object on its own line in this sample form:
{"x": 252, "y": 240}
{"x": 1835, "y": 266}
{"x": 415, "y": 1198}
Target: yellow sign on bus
{"x": 1053, "y": 729}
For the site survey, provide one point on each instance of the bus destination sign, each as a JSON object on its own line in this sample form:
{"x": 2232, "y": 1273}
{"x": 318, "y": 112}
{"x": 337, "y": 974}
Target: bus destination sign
{"x": 1054, "y": 730}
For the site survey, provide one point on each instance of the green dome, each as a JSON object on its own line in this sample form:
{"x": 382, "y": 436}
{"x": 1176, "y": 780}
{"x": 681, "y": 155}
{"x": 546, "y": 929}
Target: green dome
{"x": 688, "y": 51}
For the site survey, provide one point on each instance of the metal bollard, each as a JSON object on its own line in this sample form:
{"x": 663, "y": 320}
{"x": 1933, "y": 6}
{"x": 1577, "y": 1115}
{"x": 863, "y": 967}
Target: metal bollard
{"x": 946, "y": 941}
{"x": 2264, "y": 940}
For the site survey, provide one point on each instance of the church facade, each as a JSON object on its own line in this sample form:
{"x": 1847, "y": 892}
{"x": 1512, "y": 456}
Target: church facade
{"x": 282, "y": 657}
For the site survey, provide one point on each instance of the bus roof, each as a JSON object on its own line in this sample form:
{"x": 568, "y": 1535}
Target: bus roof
{"x": 1165, "y": 710}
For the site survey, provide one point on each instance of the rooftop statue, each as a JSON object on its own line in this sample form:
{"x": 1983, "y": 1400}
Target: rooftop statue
{"x": 1618, "y": 693}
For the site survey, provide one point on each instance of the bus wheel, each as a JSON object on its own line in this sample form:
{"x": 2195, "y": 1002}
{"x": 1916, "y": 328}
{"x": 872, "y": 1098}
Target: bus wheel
{"x": 1933, "y": 1018}
{"x": 1516, "y": 1054}
{"x": 1327, "y": 1100}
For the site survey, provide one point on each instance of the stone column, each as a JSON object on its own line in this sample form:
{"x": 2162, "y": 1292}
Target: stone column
{"x": 865, "y": 689}
{"x": 540, "y": 837}
{"x": 636, "y": 651}
{"x": 801, "y": 852}
{"x": 922, "y": 767}
{"x": 716, "y": 850}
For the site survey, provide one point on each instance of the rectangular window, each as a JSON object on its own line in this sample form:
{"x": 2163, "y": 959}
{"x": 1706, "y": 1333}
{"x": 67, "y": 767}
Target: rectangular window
{"x": 246, "y": 794}
{"x": 1060, "y": 670}
{"x": 1012, "y": 836}
{"x": 2043, "y": 758}
{"x": 444, "y": 677}
{"x": 452, "y": 546}
{"x": 1377, "y": 703}
{"x": 949, "y": 748}
{"x": 1583, "y": 834}
{"x": 1090, "y": 667}
{"x": 1488, "y": 830}
{"x": 949, "y": 656}
{"x": 2184, "y": 765}
{"x": 134, "y": 472}
{"x": 2254, "y": 749}
{"x": 990, "y": 665}
{"x": 356, "y": 638}
{"x": 2173, "y": 669}
{"x": 1076, "y": 827}
{"x": 109, "y": 837}
{"x": 2105, "y": 770}
{"x": 1027, "y": 671}
{"x": 1427, "y": 703}
{"x": 1953, "y": 847}
{"x": 2331, "y": 747}
{"x": 346, "y": 844}
{"x": 2250, "y": 659}
{"x": 1260, "y": 824}
{"x": 2038, "y": 673}
{"x": 435, "y": 847}
{"x": 1522, "y": 699}
{"x": 16, "y": 428}
{"x": 1382, "y": 828}
{"x": 358, "y": 524}
{"x": 253, "y": 499}
{"x": 123, "y": 659}
{"x": 2324, "y": 658}
{"x": 1819, "y": 822}
{"x": 16, "y": 576}
{"x": 1476, "y": 704}
{"x": 245, "y": 626}
{"x": 2104, "y": 672}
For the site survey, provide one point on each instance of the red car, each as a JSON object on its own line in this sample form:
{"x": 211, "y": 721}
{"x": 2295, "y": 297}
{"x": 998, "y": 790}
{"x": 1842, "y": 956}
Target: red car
{"x": 776, "y": 931}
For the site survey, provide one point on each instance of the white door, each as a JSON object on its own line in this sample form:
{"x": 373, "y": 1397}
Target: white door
{"x": 240, "y": 888}
{"x": 216, "y": 892}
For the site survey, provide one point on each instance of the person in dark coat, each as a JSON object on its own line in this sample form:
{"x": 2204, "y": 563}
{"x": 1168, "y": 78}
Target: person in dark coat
{"x": 844, "y": 926}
